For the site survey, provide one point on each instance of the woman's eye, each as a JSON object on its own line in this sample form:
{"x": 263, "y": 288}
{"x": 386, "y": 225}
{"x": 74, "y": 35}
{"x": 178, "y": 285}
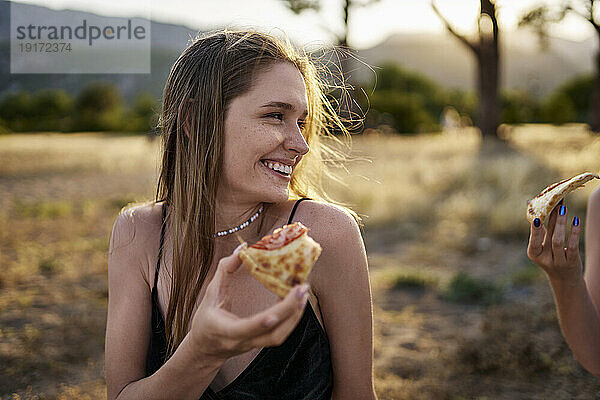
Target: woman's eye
{"x": 278, "y": 116}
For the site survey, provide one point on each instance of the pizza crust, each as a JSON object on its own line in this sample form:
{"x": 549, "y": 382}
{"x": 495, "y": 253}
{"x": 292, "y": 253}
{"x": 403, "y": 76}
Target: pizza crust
{"x": 281, "y": 269}
{"x": 542, "y": 205}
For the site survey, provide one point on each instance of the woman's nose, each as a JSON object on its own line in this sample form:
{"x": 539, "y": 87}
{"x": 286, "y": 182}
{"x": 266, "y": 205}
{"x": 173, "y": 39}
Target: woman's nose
{"x": 295, "y": 142}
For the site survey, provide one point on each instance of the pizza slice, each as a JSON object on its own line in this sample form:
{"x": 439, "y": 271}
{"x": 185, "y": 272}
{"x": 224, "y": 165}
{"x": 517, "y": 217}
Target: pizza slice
{"x": 542, "y": 205}
{"x": 283, "y": 259}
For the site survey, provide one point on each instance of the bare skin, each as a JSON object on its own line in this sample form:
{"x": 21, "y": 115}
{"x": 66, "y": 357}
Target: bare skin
{"x": 576, "y": 305}
{"x": 236, "y": 316}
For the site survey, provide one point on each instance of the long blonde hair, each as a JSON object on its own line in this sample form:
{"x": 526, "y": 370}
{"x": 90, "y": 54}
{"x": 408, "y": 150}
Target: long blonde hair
{"x": 207, "y": 76}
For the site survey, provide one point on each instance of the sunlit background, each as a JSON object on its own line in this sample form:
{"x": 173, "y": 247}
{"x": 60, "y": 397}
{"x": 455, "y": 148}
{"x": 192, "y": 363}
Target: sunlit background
{"x": 440, "y": 182}
{"x": 391, "y": 16}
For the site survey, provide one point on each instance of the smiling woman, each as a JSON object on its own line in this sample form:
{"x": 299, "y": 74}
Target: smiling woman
{"x": 242, "y": 121}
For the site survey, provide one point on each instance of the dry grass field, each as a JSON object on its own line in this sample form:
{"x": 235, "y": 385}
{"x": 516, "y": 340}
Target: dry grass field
{"x": 459, "y": 311}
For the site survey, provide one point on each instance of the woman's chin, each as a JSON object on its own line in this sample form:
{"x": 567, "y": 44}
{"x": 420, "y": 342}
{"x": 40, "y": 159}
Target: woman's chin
{"x": 275, "y": 196}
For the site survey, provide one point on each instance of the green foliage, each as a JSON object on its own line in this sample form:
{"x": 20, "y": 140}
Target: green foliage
{"x": 558, "y": 109}
{"x": 49, "y": 266}
{"x": 407, "y": 109}
{"x": 526, "y": 275}
{"x": 99, "y": 107}
{"x": 42, "y": 209}
{"x": 413, "y": 280}
{"x": 45, "y": 110}
{"x": 411, "y": 103}
{"x": 4, "y": 129}
{"x": 518, "y": 107}
{"x": 17, "y": 110}
{"x": 51, "y": 110}
{"x": 143, "y": 115}
{"x": 466, "y": 289}
{"x": 579, "y": 91}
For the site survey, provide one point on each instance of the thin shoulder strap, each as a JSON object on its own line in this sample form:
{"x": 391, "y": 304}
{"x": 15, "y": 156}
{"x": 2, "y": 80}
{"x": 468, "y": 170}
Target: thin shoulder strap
{"x": 312, "y": 297}
{"x": 295, "y": 207}
{"x": 160, "y": 247}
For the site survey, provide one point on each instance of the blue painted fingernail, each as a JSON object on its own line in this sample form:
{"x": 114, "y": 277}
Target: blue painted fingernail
{"x": 562, "y": 210}
{"x": 536, "y": 222}
{"x": 575, "y": 221}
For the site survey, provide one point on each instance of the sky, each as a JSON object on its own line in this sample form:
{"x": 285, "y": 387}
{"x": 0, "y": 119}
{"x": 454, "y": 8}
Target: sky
{"x": 368, "y": 25}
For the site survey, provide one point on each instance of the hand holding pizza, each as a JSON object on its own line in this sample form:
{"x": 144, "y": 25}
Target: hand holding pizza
{"x": 547, "y": 246}
{"x": 219, "y": 334}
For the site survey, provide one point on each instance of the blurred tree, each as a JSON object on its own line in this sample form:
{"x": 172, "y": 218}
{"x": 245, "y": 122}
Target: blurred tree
{"x": 543, "y": 16}
{"x": 570, "y": 101}
{"x": 410, "y": 102}
{"x": 143, "y": 116}
{"x": 298, "y": 6}
{"x": 558, "y": 109}
{"x": 518, "y": 107}
{"x": 51, "y": 110}
{"x": 579, "y": 89}
{"x": 99, "y": 107}
{"x": 407, "y": 109}
{"x": 16, "y": 109}
{"x": 485, "y": 49}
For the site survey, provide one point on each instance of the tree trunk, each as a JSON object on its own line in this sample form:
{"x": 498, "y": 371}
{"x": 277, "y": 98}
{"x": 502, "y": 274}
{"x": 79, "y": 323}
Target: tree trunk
{"x": 595, "y": 100}
{"x": 487, "y": 87}
{"x": 343, "y": 42}
{"x": 487, "y": 54}
{"x": 488, "y": 60}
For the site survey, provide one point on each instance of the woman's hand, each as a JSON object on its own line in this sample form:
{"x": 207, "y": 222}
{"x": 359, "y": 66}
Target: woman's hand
{"x": 547, "y": 246}
{"x": 219, "y": 334}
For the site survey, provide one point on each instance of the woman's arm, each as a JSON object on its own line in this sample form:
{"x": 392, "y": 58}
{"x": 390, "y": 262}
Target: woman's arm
{"x": 592, "y": 247}
{"x": 340, "y": 280}
{"x": 578, "y": 318}
{"x": 185, "y": 375}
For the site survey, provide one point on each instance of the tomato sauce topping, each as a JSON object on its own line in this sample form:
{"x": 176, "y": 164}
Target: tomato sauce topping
{"x": 281, "y": 237}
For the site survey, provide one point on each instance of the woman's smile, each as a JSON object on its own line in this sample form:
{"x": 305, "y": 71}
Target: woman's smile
{"x": 279, "y": 169}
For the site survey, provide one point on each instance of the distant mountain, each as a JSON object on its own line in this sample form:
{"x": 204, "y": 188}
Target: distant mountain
{"x": 445, "y": 60}
{"x": 439, "y": 57}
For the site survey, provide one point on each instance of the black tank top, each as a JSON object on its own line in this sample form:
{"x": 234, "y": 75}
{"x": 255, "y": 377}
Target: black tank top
{"x": 298, "y": 369}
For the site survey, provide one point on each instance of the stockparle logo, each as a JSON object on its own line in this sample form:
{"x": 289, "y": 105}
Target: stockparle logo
{"x": 54, "y": 41}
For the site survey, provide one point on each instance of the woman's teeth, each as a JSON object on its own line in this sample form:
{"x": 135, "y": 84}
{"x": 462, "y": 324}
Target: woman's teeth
{"x": 284, "y": 169}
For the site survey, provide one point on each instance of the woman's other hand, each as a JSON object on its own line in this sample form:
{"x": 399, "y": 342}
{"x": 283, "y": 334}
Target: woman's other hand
{"x": 547, "y": 246}
{"x": 219, "y": 334}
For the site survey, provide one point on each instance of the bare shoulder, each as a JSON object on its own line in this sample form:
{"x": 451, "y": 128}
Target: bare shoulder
{"x": 328, "y": 223}
{"x": 338, "y": 233}
{"x": 135, "y": 236}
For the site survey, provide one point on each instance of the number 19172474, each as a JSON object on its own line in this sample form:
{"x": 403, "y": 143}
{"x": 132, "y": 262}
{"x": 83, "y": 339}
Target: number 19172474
{"x": 45, "y": 47}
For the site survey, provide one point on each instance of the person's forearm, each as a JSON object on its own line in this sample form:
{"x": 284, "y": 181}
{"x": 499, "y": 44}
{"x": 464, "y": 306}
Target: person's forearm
{"x": 579, "y": 321}
{"x": 186, "y": 375}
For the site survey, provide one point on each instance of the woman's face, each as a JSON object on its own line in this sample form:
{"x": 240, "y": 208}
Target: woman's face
{"x": 263, "y": 137}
